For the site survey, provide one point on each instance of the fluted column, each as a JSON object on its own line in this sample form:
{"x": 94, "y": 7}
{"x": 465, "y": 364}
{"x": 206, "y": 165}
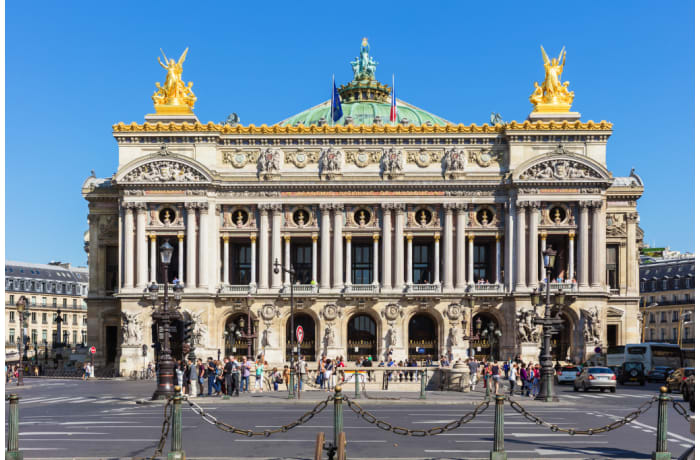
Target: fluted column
{"x": 348, "y": 259}
{"x": 509, "y": 248}
{"x": 598, "y": 250}
{"x": 314, "y": 257}
{"x": 543, "y": 246}
{"x": 264, "y": 246}
{"x": 276, "y": 243}
{"x": 226, "y": 279}
{"x": 447, "y": 254}
{"x": 287, "y": 257}
{"x": 409, "y": 259}
{"x": 436, "y": 258}
{"x": 128, "y": 245}
{"x": 460, "y": 281}
{"x": 471, "y": 259}
{"x": 386, "y": 246}
{"x": 399, "y": 266}
{"x": 152, "y": 239}
{"x": 583, "y": 244}
{"x": 570, "y": 273}
{"x": 181, "y": 257}
{"x": 203, "y": 246}
{"x": 533, "y": 258}
{"x": 253, "y": 260}
{"x": 141, "y": 248}
{"x": 375, "y": 259}
{"x": 325, "y": 245}
{"x": 498, "y": 258}
{"x": 521, "y": 243}
{"x": 337, "y": 246}
{"x": 191, "y": 229}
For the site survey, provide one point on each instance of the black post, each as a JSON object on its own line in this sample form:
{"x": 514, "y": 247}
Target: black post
{"x": 292, "y": 335}
{"x": 166, "y": 366}
{"x": 546, "y": 390}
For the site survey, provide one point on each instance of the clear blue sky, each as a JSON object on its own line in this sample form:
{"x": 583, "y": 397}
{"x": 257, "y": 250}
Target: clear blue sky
{"x": 75, "y": 68}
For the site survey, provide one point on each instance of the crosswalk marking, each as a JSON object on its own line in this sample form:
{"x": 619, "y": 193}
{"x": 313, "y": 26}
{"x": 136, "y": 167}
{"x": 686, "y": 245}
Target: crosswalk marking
{"x": 75, "y": 400}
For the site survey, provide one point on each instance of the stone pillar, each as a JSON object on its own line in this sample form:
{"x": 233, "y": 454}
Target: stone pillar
{"x": 141, "y": 248}
{"x": 471, "y": 259}
{"x": 520, "y": 284}
{"x": 276, "y": 243}
{"x": 338, "y": 246}
{"x": 348, "y": 259}
{"x": 226, "y": 279}
{"x": 570, "y": 273}
{"x": 509, "y": 248}
{"x": 93, "y": 250}
{"x": 203, "y": 246}
{"x": 314, "y": 257}
{"x": 152, "y": 239}
{"x": 325, "y": 246}
{"x": 191, "y": 229}
{"x": 533, "y": 258}
{"x": 128, "y": 245}
{"x": 583, "y": 245}
{"x": 436, "y": 258}
{"x": 543, "y": 246}
{"x": 386, "y": 246}
{"x": 287, "y": 258}
{"x": 398, "y": 246}
{"x": 598, "y": 249}
{"x": 498, "y": 258}
{"x": 253, "y": 260}
{"x": 447, "y": 254}
{"x": 264, "y": 246}
{"x": 375, "y": 259}
{"x": 460, "y": 281}
{"x": 409, "y": 259}
{"x": 632, "y": 259}
{"x": 181, "y": 257}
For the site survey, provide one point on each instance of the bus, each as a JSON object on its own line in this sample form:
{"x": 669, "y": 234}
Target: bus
{"x": 653, "y": 354}
{"x": 688, "y": 357}
{"x": 616, "y": 355}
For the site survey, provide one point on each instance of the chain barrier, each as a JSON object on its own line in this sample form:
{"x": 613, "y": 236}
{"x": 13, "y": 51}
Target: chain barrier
{"x": 603, "y": 429}
{"x": 209, "y": 418}
{"x": 681, "y": 410}
{"x": 386, "y": 426}
{"x": 165, "y": 429}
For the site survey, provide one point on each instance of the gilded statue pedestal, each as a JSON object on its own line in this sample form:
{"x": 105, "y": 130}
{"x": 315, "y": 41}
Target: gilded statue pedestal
{"x": 554, "y": 116}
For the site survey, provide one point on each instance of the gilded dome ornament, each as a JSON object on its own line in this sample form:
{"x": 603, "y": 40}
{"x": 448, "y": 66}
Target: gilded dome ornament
{"x": 173, "y": 97}
{"x": 552, "y": 96}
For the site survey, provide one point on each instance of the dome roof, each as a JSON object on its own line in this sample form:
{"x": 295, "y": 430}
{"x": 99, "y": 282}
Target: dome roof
{"x": 364, "y": 113}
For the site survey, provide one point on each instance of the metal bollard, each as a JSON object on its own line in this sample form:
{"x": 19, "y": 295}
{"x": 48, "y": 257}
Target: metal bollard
{"x": 498, "y": 452}
{"x": 487, "y": 396}
{"x": 291, "y": 385}
{"x": 357, "y": 384}
{"x": 337, "y": 415}
{"x": 13, "y": 452}
{"x": 176, "y": 452}
{"x": 422, "y": 384}
{"x": 661, "y": 452}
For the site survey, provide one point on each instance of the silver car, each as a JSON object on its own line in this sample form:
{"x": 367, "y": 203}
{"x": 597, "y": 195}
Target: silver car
{"x": 596, "y": 377}
{"x": 568, "y": 374}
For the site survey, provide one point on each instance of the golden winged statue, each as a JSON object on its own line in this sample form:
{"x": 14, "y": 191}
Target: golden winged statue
{"x": 173, "y": 97}
{"x": 552, "y": 95}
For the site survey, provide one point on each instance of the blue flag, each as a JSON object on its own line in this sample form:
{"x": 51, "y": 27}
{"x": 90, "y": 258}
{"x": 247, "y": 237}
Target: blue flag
{"x": 336, "y": 107}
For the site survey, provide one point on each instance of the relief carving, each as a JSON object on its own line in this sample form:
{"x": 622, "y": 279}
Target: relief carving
{"x": 164, "y": 171}
{"x": 560, "y": 169}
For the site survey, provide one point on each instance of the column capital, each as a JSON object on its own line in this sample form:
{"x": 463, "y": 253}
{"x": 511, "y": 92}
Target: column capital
{"x": 522, "y": 205}
{"x": 314, "y": 237}
{"x": 287, "y": 237}
{"x": 338, "y": 207}
{"x": 326, "y": 207}
{"x": 180, "y": 236}
{"x": 141, "y": 207}
{"x": 387, "y": 206}
{"x": 572, "y": 235}
{"x": 461, "y": 208}
{"x": 597, "y": 205}
{"x": 375, "y": 236}
{"x": 498, "y": 236}
{"x": 203, "y": 207}
{"x": 190, "y": 205}
{"x": 449, "y": 206}
{"x": 470, "y": 237}
{"x": 128, "y": 205}
{"x": 436, "y": 237}
{"x": 409, "y": 236}
{"x": 399, "y": 207}
{"x": 225, "y": 238}
{"x": 632, "y": 217}
{"x": 543, "y": 235}
{"x": 348, "y": 237}
{"x": 94, "y": 218}
{"x": 253, "y": 237}
{"x": 585, "y": 204}
{"x": 152, "y": 236}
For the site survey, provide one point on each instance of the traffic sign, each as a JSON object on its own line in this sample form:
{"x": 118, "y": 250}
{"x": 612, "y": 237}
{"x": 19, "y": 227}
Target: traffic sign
{"x": 598, "y": 350}
{"x": 300, "y": 334}
{"x": 93, "y": 350}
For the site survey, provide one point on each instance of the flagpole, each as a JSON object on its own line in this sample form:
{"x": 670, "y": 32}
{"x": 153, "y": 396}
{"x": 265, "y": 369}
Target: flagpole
{"x": 332, "y": 99}
{"x": 394, "y": 107}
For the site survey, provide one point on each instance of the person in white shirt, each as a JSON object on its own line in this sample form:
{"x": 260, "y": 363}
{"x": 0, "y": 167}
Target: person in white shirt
{"x": 512, "y": 375}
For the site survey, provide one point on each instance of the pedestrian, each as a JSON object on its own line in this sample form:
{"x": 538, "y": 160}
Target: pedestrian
{"x": 179, "y": 375}
{"x": 259, "y": 370}
{"x": 301, "y": 372}
{"x": 245, "y": 375}
{"x": 235, "y": 376}
{"x": 487, "y": 374}
{"x": 495, "y": 377}
{"x": 523, "y": 379}
{"x": 201, "y": 374}
{"x": 210, "y": 375}
{"x": 219, "y": 378}
{"x": 535, "y": 380}
{"x": 194, "y": 378}
{"x": 473, "y": 373}
{"x": 327, "y": 371}
{"x": 512, "y": 375}
{"x": 276, "y": 377}
{"x": 228, "y": 376}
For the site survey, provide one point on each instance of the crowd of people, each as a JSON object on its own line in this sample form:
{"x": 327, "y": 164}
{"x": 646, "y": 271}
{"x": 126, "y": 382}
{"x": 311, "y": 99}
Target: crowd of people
{"x": 515, "y": 372}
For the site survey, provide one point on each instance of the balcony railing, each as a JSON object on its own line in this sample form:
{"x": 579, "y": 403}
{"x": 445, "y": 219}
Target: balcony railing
{"x": 362, "y": 289}
{"x": 302, "y": 289}
{"x": 494, "y": 288}
{"x": 237, "y": 289}
{"x": 566, "y": 287}
{"x": 424, "y": 288}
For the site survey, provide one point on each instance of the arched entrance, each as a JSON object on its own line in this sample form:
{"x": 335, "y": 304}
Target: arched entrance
{"x": 422, "y": 337}
{"x": 362, "y": 337}
{"x": 561, "y": 341}
{"x": 487, "y": 331}
{"x": 237, "y": 326}
{"x": 308, "y": 346}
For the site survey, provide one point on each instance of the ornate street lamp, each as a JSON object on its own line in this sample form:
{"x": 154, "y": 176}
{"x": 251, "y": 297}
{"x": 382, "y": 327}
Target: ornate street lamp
{"x": 549, "y": 324}
{"x": 22, "y": 306}
{"x": 292, "y": 338}
{"x": 246, "y": 334}
{"x": 492, "y": 335}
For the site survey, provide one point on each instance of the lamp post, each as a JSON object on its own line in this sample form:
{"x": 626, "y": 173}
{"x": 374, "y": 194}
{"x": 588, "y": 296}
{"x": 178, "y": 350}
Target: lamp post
{"x": 246, "y": 334}
{"x": 22, "y": 306}
{"x": 492, "y": 334}
{"x": 46, "y": 353}
{"x": 546, "y": 390}
{"x": 162, "y": 316}
{"x": 292, "y": 279}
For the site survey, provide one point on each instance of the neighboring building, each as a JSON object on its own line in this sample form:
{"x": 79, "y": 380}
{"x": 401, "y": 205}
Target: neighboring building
{"x": 49, "y": 289}
{"x": 393, "y": 229}
{"x": 667, "y": 285}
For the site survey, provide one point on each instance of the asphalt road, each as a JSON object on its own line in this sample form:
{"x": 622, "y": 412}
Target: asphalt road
{"x": 99, "y": 419}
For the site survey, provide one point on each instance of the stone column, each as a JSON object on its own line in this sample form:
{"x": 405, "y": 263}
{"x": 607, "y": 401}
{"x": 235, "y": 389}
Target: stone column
{"x": 533, "y": 258}
{"x": 583, "y": 244}
{"x": 181, "y": 257}
{"x": 471, "y": 259}
{"x": 409, "y": 259}
{"x": 375, "y": 259}
{"x": 436, "y": 258}
{"x": 460, "y": 282}
{"x": 191, "y": 229}
{"x": 325, "y": 246}
{"x": 398, "y": 246}
{"x": 141, "y": 248}
{"x": 386, "y": 246}
{"x": 570, "y": 273}
{"x": 543, "y": 246}
{"x": 314, "y": 257}
{"x": 120, "y": 249}
{"x": 253, "y": 260}
{"x": 498, "y": 258}
{"x": 203, "y": 246}
{"x": 348, "y": 259}
{"x": 520, "y": 284}
{"x": 276, "y": 243}
{"x": 152, "y": 238}
{"x": 338, "y": 246}
{"x": 226, "y": 279}
{"x": 598, "y": 249}
{"x": 632, "y": 259}
{"x": 264, "y": 246}
{"x": 509, "y": 249}
{"x": 447, "y": 254}
{"x": 287, "y": 257}
{"x": 93, "y": 262}
{"x": 128, "y": 245}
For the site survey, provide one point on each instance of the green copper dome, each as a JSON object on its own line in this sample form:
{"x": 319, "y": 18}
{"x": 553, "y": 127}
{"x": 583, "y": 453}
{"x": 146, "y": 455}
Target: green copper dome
{"x": 364, "y": 113}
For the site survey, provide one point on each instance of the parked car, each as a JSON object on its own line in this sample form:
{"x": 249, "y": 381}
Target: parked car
{"x": 632, "y": 372}
{"x": 596, "y": 377}
{"x": 678, "y": 380}
{"x": 660, "y": 373}
{"x": 568, "y": 374}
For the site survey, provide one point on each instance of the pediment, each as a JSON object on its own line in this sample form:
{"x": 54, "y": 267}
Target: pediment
{"x": 163, "y": 169}
{"x": 561, "y": 167}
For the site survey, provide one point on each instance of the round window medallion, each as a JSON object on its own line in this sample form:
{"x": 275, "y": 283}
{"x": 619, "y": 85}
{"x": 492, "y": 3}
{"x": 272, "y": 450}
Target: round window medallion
{"x": 423, "y": 216}
{"x": 239, "y": 217}
{"x": 484, "y": 216}
{"x": 557, "y": 214}
{"x": 362, "y": 217}
{"x": 301, "y": 217}
{"x": 166, "y": 216}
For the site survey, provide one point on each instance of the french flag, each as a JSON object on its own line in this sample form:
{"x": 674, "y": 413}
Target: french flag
{"x": 392, "y": 113}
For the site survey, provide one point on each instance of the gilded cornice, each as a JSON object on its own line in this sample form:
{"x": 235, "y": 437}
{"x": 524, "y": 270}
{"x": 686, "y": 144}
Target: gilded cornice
{"x": 212, "y": 127}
